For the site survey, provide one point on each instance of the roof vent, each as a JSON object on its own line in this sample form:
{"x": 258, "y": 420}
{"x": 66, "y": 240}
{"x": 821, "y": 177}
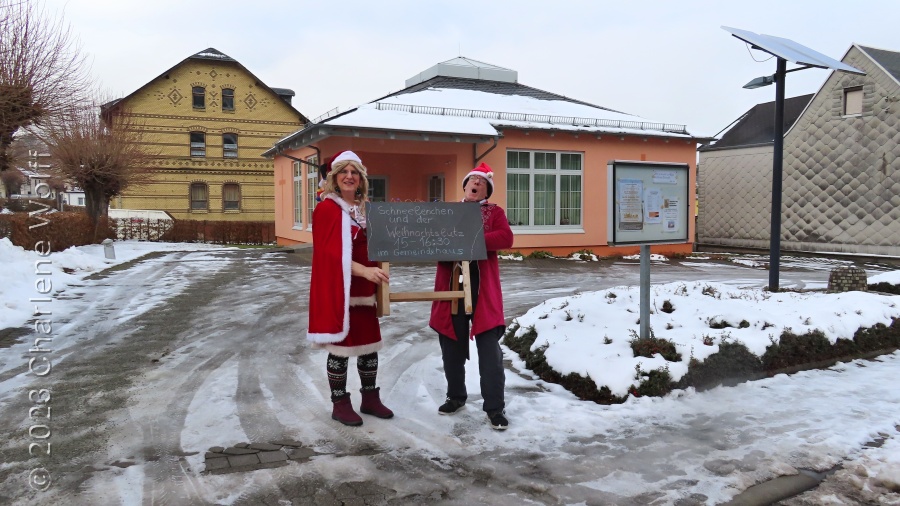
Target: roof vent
{"x": 465, "y": 68}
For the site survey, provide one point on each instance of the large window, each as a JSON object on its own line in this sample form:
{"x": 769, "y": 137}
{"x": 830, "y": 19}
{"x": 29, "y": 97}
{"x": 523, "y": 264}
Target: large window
{"x": 229, "y": 145}
{"x": 231, "y": 197}
{"x": 853, "y": 98}
{"x": 543, "y": 188}
{"x": 298, "y": 195}
{"x": 312, "y": 185}
{"x": 377, "y": 189}
{"x": 199, "y": 197}
{"x": 198, "y": 144}
{"x": 436, "y": 189}
{"x": 227, "y": 99}
{"x": 199, "y": 95}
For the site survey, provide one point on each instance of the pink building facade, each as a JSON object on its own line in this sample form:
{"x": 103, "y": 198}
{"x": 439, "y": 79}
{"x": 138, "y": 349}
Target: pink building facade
{"x": 549, "y": 155}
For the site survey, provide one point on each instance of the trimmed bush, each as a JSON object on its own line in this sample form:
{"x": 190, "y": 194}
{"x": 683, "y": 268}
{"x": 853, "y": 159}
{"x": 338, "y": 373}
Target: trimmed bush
{"x": 655, "y": 383}
{"x": 731, "y": 365}
{"x": 221, "y": 232}
{"x": 61, "y": 229}
{"x": 647, "y": 347}
{"x": 884, "y": 287}
{"x": 792, "y": 350}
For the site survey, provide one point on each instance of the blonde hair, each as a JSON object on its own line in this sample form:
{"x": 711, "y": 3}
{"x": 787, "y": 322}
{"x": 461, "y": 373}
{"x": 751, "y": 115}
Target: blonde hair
{"x": 332, "y": 187}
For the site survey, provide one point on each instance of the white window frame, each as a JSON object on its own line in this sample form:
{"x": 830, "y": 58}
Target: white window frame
{"x": 197, "y": 147}
{"x": 853, "y": 97}
{"x": 531, "y": 171}
{"x": 237, "y": 208}
{"x": 312, "y": 186}
{"x": 229, "y": 150}
{"x": 298, "y": 196}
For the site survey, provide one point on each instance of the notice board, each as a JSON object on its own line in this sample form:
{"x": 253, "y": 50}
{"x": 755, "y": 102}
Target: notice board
{"x": 649, "y": 202}
{"x": 425, "y": 231}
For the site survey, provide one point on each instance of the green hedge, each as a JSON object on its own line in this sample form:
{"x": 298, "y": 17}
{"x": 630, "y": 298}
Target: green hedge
{"x": 732, "y": 364}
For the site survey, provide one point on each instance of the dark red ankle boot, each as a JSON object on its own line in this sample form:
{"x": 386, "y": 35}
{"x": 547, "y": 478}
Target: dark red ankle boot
{"x": 343, "y": 412}
{"x": 371, "y": 404}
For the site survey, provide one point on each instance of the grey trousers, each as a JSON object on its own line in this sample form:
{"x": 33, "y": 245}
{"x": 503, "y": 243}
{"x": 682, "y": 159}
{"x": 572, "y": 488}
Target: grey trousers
{"x": 490, "y": 366}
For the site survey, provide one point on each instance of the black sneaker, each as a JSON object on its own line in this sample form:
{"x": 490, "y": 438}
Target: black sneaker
{"x": 498, "y": 420}
{"x": 451, "y": 406}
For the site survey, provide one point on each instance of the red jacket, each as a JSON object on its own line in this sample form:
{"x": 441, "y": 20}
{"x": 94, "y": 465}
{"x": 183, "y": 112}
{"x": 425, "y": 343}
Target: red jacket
{"x": 489, "y": 310}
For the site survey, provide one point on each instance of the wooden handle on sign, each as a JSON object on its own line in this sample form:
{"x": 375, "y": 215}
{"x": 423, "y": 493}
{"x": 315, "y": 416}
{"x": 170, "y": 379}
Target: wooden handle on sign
{"x": 467, "y": 287}
{"x": 384, "y": 297}
{"x": 383, "y": 293}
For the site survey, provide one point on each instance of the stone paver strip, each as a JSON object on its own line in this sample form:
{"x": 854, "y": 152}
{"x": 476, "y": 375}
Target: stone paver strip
{"x": 239, "y": 451}
{"x": 218, "y": 463}
{"x": 265, "y": 447}
{"x": 252, "y": 456}
{"x": 243, "y": 460}
{"x": 276, "y": 456}
{"x": 300, "y": 453}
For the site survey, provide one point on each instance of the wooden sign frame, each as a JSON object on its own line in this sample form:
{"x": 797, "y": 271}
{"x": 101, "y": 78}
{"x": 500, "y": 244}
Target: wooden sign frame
{"x": 384, "y": 296}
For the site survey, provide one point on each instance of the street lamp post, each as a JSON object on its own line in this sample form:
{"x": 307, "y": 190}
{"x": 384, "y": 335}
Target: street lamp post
{"x": 783, "y": 50}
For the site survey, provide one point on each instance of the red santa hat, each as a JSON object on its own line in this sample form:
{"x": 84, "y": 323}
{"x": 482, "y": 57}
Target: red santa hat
{"x": 483, "y": 170}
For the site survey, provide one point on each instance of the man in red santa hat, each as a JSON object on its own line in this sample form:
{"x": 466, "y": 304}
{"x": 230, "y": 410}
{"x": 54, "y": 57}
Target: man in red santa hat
{"x": 488, "y": 323}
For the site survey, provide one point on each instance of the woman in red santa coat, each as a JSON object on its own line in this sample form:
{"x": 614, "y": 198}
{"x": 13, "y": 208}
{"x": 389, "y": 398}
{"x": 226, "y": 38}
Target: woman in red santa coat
{"x": 342, "y": 313}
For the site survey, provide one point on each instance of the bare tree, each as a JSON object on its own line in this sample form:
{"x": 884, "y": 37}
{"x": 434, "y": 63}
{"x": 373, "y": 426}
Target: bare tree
{"x": 101, "y": 154}
{"x": 42, "y": 71}
{"x": 12, "y": 179}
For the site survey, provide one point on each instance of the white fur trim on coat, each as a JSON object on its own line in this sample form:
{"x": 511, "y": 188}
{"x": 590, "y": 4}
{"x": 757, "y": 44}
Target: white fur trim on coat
{"x": 349, "y": 351}
{"x": 346, "y": 256}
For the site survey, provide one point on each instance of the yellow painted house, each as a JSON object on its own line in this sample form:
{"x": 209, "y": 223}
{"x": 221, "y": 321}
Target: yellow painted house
{"x": 209, "y": 119}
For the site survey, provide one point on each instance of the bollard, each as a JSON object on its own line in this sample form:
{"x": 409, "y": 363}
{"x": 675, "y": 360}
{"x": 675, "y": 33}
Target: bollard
{"x": 108, "y": 249}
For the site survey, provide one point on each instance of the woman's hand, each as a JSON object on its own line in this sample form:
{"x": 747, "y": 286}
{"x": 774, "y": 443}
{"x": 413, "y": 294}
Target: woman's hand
{"x": 373, "y": 274}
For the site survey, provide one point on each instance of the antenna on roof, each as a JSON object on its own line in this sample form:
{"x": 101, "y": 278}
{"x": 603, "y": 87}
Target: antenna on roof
{"x": 458, "y": 49}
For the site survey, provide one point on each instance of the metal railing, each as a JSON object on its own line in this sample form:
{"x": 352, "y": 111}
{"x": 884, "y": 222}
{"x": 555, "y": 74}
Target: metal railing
{"x": 325, "y": 116}
{"x": 533, "y": 118}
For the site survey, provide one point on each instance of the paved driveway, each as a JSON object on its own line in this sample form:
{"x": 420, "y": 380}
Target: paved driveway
{"x": 159, "y": 360}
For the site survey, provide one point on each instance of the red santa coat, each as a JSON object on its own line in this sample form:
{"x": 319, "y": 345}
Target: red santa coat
{"x": 342, "y": 312}
{"x": 489, "y": 310}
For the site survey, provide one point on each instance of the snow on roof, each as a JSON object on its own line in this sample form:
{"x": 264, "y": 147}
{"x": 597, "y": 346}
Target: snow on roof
{"x": 369, "y": 116}
{"x": 212, "y": 53}
{"x": 442, "y": 110}
{"x": 34, "y": 174}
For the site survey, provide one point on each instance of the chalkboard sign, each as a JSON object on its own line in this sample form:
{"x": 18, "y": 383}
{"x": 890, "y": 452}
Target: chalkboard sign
{"x": 425, "y": 231}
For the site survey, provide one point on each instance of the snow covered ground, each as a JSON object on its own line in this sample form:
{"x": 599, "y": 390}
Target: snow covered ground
{"x": 707, "y": 445}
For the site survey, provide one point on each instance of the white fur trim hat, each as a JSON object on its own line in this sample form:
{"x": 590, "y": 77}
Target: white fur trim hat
{"x": 346, "y": 156}
{"x": 483, "y": 170}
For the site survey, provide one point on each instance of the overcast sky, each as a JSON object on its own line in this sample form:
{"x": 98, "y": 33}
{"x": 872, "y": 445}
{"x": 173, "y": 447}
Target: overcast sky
{"x": 661, "y": 60}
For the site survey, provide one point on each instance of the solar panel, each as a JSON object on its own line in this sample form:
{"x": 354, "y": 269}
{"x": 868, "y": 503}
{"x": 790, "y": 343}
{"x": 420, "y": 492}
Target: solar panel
{"x": 789, "y": 50}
